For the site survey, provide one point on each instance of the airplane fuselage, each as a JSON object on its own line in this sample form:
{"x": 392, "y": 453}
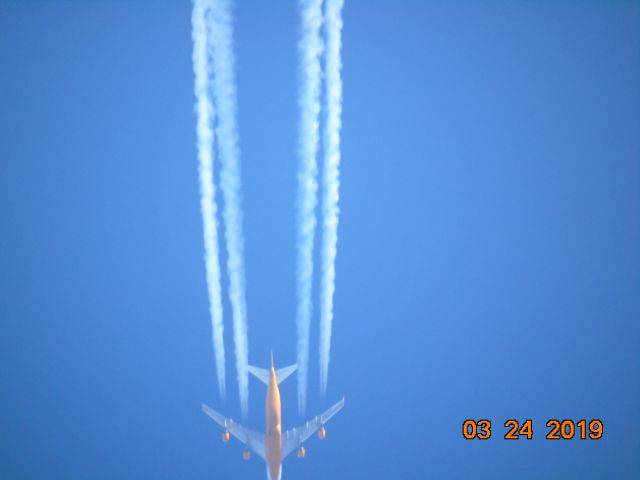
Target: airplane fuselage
{"x": 273, "y": 436}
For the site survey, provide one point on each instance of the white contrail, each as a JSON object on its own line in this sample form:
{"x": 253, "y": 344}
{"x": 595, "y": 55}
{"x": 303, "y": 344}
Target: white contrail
{"x": 331, "y": 179}
{"x": 224, "y": 93}
{"x": 204, "y": 110}
{"x": 310, "y": 47}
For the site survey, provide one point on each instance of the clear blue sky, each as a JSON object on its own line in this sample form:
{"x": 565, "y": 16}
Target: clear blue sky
{"x": 488, "y": 263}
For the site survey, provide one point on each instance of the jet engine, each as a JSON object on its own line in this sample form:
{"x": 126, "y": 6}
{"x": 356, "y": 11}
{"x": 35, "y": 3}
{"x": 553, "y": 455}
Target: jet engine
{"x": 322, "y": 433}
{"x": 246, "y": 455}
{"x": 301, "y": 452}
{"x": 226, "y": 436}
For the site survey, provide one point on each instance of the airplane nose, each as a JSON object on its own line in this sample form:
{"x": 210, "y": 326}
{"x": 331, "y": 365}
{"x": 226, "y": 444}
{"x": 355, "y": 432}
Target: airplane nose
{"x": 275, "y": 472}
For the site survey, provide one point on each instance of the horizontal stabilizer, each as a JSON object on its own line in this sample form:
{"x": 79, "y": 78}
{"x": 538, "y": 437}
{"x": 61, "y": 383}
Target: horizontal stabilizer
{"x": 283, "y": 373}
{"x": 264, "y": 375}
{"x": 261, "y": 374}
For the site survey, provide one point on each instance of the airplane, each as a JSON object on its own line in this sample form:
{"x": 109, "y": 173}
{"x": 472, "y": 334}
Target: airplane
{"x": 275, "y": 445}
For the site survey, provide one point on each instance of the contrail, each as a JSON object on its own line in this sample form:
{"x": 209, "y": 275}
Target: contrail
{"x": 204, "y": 110}
{"x": 331, "y": 179}
{"x": 224, "y": 93}
{"x": 310, "y": 47}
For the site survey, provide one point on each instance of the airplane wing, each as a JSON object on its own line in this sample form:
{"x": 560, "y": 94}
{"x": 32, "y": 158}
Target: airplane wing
{"x": 293, "y": 439}
{"x": 253, "y": 440}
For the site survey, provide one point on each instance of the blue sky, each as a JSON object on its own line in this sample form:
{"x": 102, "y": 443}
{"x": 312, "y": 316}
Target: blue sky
{"x": 488, "y": 261}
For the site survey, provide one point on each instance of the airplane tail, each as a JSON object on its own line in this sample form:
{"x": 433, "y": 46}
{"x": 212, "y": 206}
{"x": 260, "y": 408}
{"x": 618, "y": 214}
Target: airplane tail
{"x": 283, "y": 373}
{"x": 264, "y": 375}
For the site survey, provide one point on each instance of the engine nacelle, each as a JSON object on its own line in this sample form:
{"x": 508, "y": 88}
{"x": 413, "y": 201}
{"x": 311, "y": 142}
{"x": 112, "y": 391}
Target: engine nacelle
{"x": 246, "y": 455}
{"x": 322, "y": 433}
{"x": 301, "y": 452}
{"x": 226, "y": 436}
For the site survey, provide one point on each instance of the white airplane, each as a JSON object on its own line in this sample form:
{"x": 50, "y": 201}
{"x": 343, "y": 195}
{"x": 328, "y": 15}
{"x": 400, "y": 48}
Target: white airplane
{"x": 275, "y": 445}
